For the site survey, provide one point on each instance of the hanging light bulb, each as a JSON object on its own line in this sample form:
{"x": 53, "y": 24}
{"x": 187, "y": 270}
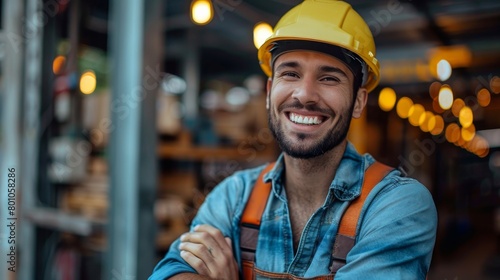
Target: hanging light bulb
{"x": 201, "y": 11}
{"x": 261, "y": 32}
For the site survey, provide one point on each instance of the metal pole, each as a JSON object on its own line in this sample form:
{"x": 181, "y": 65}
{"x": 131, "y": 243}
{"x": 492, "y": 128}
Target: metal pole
{"x": 10, "y": 100}
{"x": 191, "y": 74}
{"x": 30, "y": 142}
{"x": 148, "y": 170}
{"x": 126, "y": 40}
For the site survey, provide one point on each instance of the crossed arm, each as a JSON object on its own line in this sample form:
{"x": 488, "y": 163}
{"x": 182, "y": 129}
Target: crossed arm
{"x": 405, "y": 214}
{"x": 209, "y": 253}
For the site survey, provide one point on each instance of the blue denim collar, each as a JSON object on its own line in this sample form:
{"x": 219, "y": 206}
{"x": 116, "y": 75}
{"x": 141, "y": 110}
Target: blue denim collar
{"x": 347, "y": 182}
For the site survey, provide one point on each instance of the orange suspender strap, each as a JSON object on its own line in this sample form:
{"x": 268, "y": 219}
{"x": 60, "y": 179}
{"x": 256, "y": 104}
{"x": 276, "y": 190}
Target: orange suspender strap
{"x": 250, "y": 222}
{"x": 346, "y": 235}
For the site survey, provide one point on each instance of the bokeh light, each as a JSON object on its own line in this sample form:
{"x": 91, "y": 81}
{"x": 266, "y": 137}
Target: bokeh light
{"x": 439, "y": 125}
{"x": 482, "y": 147}
{"x": 403, "y": 107}
{"x": 201, "y": 11}
{"x": 436, "y": 107}
{"x": 58, "y": 64}
{"x": 443, "y": 70}
{"x": 387, "y": 99}
{"x": 88, "y": 82}
{"x": 452, "y": 133}
{"x": 466, "y": 117}
{"x": 261, "y": 32}
{"x": 415, "y": 113}
{"x": 445, "y": 97}
{"x": 427, "y": 121}
{"x": 495, "y": 85}
{"x": 483, "y": 97}
{"x": 458, "y": 104}
{"x": 468, "y": 133}
{"x": 434, "y": 89}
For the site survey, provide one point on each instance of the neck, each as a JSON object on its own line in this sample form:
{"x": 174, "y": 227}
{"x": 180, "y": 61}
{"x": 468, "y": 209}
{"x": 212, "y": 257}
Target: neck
{"x": 308, "y": 180}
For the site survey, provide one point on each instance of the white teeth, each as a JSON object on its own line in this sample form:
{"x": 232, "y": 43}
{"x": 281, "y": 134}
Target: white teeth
{"x": 304, "y": 120}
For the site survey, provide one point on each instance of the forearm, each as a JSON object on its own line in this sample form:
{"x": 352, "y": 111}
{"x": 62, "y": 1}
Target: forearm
{"x": 216, "y": 211}
{"x": 189, "y": 276}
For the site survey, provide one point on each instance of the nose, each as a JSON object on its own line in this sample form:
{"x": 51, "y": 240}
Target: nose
{"x": 306, "y": 92}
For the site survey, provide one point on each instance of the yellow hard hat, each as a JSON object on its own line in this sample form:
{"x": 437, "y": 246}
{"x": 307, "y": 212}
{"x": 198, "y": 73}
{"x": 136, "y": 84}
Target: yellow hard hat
{"x": 330, "y": 22}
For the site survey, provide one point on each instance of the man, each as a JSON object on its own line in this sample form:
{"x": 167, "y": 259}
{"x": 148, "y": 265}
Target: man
{"x": 321, "y": 63}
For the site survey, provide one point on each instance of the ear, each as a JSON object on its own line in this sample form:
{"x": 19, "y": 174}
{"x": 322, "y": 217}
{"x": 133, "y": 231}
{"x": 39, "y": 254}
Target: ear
{"x": 268, "y": 90}
{"x": 360, "y": 103}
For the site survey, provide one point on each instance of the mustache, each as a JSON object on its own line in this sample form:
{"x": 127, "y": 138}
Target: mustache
{"x": 309, "y": 107}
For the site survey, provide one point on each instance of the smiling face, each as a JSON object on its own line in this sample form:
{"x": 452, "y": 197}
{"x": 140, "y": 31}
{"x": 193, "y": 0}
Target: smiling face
{"x": 311, "y": 103}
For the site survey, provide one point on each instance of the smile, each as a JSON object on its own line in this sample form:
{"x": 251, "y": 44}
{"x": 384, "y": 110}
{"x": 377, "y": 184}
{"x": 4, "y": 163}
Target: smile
{"x": 307, "y": 120}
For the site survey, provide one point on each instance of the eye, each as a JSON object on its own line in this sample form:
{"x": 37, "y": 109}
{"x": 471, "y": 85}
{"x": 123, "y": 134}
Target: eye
{"x": 330, "y": 79}
{"x": 290, "y": 75}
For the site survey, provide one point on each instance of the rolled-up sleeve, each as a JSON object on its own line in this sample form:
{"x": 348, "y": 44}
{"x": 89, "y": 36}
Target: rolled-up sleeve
{"x": 220, "y": 209}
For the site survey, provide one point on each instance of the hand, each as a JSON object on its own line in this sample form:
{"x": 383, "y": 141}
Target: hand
{"x": 209, "y": 253}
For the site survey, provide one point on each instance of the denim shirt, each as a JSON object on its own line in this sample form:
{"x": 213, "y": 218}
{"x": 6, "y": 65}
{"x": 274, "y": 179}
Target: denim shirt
{"x": 396, "y": 228}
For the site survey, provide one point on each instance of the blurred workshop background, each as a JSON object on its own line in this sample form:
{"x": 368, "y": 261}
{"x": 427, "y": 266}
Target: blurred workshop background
{"x": 120, "y": 116}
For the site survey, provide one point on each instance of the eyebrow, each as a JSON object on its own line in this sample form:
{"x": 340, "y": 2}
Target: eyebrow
{"x": 288, "y": 64}
{"x": 333, "y": 69}
{"x": 324, "y": 68}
